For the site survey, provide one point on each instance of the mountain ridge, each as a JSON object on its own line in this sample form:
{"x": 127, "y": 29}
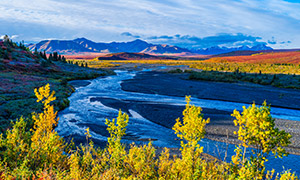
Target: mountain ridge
{"x": 222, "y": 50}
{"x": 83, "y": 45}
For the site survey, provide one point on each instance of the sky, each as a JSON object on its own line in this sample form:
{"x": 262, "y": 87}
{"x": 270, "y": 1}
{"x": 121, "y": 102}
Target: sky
{"x": 185, "y": 23}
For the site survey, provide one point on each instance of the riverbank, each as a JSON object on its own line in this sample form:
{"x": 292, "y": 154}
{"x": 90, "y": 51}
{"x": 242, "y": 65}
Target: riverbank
{"x": 221, "y": 126}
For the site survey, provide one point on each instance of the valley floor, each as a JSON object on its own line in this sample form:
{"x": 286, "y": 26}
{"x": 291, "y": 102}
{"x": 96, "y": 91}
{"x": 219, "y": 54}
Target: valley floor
{"x": 221, "y": 126}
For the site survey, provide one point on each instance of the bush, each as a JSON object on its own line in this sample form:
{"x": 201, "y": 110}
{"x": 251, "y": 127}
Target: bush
{"x": 175, "y": 71}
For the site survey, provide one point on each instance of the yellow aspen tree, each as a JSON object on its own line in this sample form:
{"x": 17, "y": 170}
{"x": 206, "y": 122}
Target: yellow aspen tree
{"x": 47, "y": 145}
{"x": 257, "y": 129}
{"x": 191, "y": 130}
{"x": 117, "y": 129}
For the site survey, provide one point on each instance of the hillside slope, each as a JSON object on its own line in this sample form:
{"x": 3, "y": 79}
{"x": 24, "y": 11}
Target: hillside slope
{"x": 21, "y": 71}
{"x": 292, "y": 57}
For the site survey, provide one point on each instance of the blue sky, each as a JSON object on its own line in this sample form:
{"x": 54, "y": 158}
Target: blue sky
{"x": 187, "y": 23}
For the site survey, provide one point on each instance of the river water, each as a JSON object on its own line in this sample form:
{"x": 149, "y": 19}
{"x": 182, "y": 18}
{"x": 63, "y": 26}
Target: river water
{"x": 83, "y": 113}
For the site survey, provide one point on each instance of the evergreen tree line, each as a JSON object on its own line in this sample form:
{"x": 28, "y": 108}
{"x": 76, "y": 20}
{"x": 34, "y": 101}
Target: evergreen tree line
{"x": 82, "y": 64}
{"x": 7, "y": 45}
{"x": 57, "y": 57}
{"x": 51, "y": 57}
{"x": 8, "y": 42}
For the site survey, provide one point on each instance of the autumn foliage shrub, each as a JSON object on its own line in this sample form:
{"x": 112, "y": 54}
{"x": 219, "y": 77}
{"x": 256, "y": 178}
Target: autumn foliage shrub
{"x": 40, "y": 153}
{"x": 25, "y": 152}
{"x": 257, "y": 130}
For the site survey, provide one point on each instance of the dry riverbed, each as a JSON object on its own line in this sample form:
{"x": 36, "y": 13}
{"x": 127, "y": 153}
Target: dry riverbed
{"x": 221, "y": 126}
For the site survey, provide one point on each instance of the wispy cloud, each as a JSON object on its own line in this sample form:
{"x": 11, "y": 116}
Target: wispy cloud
{"x": 107, "y": 20}
{"x": 164, "y": 37}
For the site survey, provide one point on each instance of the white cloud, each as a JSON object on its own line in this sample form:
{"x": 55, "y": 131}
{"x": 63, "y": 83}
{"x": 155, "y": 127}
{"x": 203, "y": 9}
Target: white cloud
{"x": 106, "y": 20}
{"x": 10, "y": 37}
{"x": 14, "y": 36}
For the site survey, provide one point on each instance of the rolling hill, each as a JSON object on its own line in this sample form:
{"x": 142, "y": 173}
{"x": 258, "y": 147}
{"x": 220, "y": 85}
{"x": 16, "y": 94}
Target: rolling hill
{"x": 132, "y": 56}
{"x": 291, "y": 57}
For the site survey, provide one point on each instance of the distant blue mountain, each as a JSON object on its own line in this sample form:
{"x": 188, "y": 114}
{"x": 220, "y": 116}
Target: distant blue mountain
{"x": 221, "y": 50}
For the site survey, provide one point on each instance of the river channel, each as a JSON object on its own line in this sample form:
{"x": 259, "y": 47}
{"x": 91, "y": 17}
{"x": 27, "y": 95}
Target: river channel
{"x": 87, "y": 110}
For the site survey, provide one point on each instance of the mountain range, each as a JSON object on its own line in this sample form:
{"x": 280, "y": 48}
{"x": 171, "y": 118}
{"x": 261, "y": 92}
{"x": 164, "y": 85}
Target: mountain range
{"x": 83, "y": 45}
{"x": 221, "y": 50}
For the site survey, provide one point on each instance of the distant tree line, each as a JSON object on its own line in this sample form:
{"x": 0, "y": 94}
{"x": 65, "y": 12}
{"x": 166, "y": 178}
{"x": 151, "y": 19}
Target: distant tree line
{"x": 81, "y": 64}
{"x": 51, "y": 57}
